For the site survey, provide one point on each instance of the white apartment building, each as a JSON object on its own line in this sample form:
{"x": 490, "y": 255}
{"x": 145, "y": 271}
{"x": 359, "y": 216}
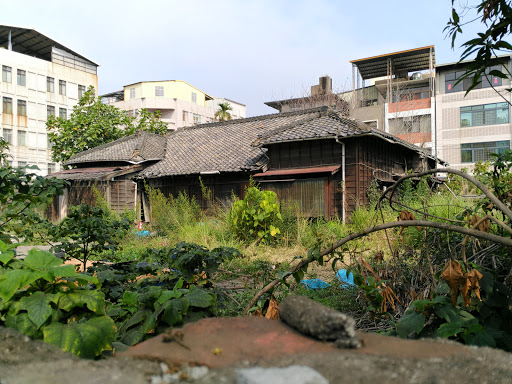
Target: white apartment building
{"x": 40, "y": 77}
{"x": 238, "y": 111}
{"x": 471, "y": 127}
{"x": 179, "y": 103}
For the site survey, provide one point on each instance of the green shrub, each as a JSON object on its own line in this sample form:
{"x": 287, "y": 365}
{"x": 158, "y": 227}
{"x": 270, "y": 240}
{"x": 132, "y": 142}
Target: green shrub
{"x": 256, "y": 217}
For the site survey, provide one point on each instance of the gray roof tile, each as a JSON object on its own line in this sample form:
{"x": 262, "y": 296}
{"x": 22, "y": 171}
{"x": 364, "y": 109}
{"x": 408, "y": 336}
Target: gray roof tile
{"x": 137, "y": 148}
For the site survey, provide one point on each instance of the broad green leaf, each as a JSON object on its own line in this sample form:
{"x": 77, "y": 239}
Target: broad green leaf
{"x": 410, "y": 323}
{"x": 93, "y": 299}
{"x": 22, "y": 323}
{"x": 198, "y": 298}
{"x": 481, "y": 339}
{"x": 6, "y": 256}
{"x": 447, "y": 312}
{"x": 87, "y": 339}
{"x": 60, "y": 271}
{"x": 38, "y": 307}
{"x": 16, "y": 279}
{"x": 421, "y": 304}
{"x": 167, "y": 295}
{"x": 41, "y": 260}
{"x": 130, "y": 298}
{"x": 449, "y": 329}
{"x": 136, "y": 333}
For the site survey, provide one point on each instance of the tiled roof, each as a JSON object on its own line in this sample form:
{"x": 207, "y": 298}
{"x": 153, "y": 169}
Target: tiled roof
{"x": 137, "y": 148}
{"x": 331, "y": 124}
{"x": 86, "y": 173}
{"x": 222, "y": 147}
{"x": 328, "y": 124}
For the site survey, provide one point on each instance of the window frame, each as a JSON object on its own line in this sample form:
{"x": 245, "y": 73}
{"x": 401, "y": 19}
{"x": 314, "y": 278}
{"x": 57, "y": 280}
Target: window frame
{"x": 21, "y": 108}
{"x": 7, "y": 101}
{"x": 63, "y": 112}
{"x": 488, "y": 114}
{"x": 81, "y": 91}
{"x": 6, "y": 74}
{"x": 21, "y": 134}
{"x": 477, "y": 153}
{"x": 62, "y": 87}
{"x": 133, "y": 93}
{"x": 451, "y": 78}
{"x": 7, "y": 132}
{"x": 159, "y": 89}
{"x": 50, "y": 84}
{"x": 21, "y": 78}
{"x": 48, "y": 109}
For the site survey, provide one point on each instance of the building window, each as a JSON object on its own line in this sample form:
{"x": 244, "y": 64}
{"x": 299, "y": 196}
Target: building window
{"x": 81, "y": 91}
{"x": 62, "y": 87}
{"x": 6, "y": 74}
{"x": 50, "y": 84}
{"x": 22, "y": 108}
{"x": 51, "y": 168}
{"x": 197, "y": 118}
{"x": 194, "y": 97}
{"x": 22, "y": 138}
{"x": 410, "y": 94}
{"x": 488, "y": 114}
{"x": 159, "y": 91}
{"x": 7, "y": 105}
{"x": 22, "y": 78}
{"x": 63, "y": 113}
{"x": 50, "y": 111}
{"x": 471, "y": 153}
{"x": 49, "y": 143}
{"x": 486, "y": 80}
{"x": 7, "y": 134}
{"x": 185, "y": 115}
{"x": 133, "y": 93}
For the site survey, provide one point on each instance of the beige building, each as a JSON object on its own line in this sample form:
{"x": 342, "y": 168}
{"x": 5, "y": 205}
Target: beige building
{"x": 40, "y": 77}
{"x": 180, "y": 104}
{"x": 471, "y": 127}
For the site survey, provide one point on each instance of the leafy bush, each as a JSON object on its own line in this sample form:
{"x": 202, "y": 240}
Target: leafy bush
{"x": 88, "y": 231}
{"x": 46, "y": 300}
{"x": 256, "y": 216}
{"x": 484, "y": 323}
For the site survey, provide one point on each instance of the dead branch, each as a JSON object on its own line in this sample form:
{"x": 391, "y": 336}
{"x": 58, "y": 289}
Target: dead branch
{"x": 376, "y": 228}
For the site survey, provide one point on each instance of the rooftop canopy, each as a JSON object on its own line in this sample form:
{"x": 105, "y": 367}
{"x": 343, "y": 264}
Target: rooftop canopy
{"x": 417, "y": 59}
{"x": 32, "y": 43}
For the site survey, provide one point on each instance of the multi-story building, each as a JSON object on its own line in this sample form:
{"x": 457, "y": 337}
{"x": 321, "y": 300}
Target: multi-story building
{"x": 180, "y": 104}
{"x": 40, "y": 77}
{"x": 400, "y": 96}
{"x": 238, "y": 110}
{"x": 472, "y": 126}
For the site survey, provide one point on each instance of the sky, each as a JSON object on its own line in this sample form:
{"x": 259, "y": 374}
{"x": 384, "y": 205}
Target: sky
{"x": 247, "y": 51}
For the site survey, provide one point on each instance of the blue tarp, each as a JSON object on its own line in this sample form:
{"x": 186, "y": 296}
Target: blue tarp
{"x": 344, "y": 278}
{"x": 315, "y": 284}
{"x": 142, "y": 233}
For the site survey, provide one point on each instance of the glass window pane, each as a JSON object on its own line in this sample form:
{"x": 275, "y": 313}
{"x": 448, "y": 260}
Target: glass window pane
{"x": 490, "y": 117}
{"x": 450, "y": 76}
{"x": 466, "y": 156}
{"x": 502, "y": 116}
{"x": 465, "y": 119}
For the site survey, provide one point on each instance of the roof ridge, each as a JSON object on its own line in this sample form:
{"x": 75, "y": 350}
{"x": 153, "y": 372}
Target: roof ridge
{"x": 254, "y": 118}
{"x": 123, "y": 139}
{"x": 321, "y": 113}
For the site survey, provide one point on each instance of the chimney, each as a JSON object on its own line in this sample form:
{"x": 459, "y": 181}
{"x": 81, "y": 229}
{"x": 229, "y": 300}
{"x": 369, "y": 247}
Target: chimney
{"x": 324, "y": 86}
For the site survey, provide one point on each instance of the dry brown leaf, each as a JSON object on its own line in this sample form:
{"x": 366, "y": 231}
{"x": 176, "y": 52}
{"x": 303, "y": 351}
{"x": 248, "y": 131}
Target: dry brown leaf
{"x": 369, "y": 268}
{"x": 257, "y": 313}
{"x": 273, "y": 309}
{"x": 404, "y": 216}
{"x": 471, "y": 283}
{"x": 454, "y": 277}
{"x": 378, "y": 257}
{"x": 484, "y": 226}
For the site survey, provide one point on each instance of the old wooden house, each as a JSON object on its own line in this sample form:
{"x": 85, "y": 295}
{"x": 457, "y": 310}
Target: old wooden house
{"x": 320, "y": 160}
